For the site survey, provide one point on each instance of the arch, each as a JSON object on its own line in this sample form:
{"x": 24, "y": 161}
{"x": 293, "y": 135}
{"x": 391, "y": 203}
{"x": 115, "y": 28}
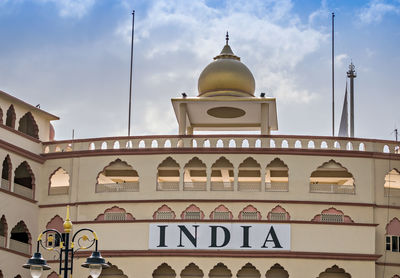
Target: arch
{"x": 332, "y": 215}
{"x": 298, "y": 144}
{"x": 349, "y": 146}
{"x": 104, "y": 146}
{"x": 332, "y": 177}
{"x": 221, "y": 213}
{"x": 257, "y": 144}
{"x": 92, "y": 146}
{"x": 248, "y": 271}
{"x": 59, "y": 182}
{"x": 142, "y": 144}
{"x": 393, "y": 227}
{"x": 336, "y": 145}
{"x": 392, "y": 183}
{"x": 311, "y": 144}
{"x": 1, "y": 274}
{"x": 163, "y": 271}
{"x": 113, "y": 271}
{"x": 285, "y": 144}
{"x": 249, "y": 213}
{"x": 24, "y": 181}
{"x": 361, "y": 147}
{"x": 18, "y": 276}
{"x": 21, "y": 238}
{"x": 168, "y": 175}
{"x": 114, "y": 213}
{"x": 6, "y": 174}
{"x": 249, "y": 175}
{"x": 10, "y": 118}
{"x": 272, "y": 143}
{"x": 1, "y": 119}
{"x": 164, "y": 213}
{"x": 245, "y": 143}
{"x": 334, "y": 272}
{"x": 195, "y": 175}
{"x": 324, "y": 145}
{"x": 222, "y": 175}
{"x": 192, "y": 270}
{"x": 27, "y": 125}
{"x": 393, "y": 235}
{"x": 386, "y": 149}
{"x": 192, "y": 212}
{"x": 154, "y": 144}
{"x": 3, "y": 231}
{"x": 276, "y": 271}
{"x": 52, "y": 239}
{"x": 118, "y": 176}
{"x": 220, "y": 144}
{"x": 277, "y": 176}
{"x": 167, "y": 143}
{"x": 220, "y": 271}
{"x": 116, "y": 145}
{"x": 232, "y": 143}
{"x": 206, "y": 143}
{"x": 194, "y": 143}
{"x": 278, "y": 213}
{"x": 53, "y": 275}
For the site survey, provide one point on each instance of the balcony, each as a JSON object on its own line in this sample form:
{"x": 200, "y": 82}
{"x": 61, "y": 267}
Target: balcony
{"x": 59, "y": 190}
{"x": 331, "y": 188}
{"x": 23, "y": 191}
{"x": 19, "y": 246}
{"x": 2, "y": 241}
{"x": 117, "y": 187}
{"x": 277, "y": 186}
{"x": 5, "y": 184}
{"x": 194, "y": 186}
{"x": 392, "y": 192}
{"x": 221, "y": 186}
{"x": 249, "y": 186}
{"x": 168, "y": 185}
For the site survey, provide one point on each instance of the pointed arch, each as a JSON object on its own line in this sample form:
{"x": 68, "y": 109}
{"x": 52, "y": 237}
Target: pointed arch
{"x": 221, "y": 213}
{"x": 249, "y": 175}
{"x": 1, "y": 119}
{"x": 277, "y": 271}
{"x": 164, "y": 271}
{"x": 115, "y": 213}
{"x": 53, "y": 275}
{"x": 392, "y": 183}
{"x": 222, "y": 175}
{"x": 192, "y": 270}
{"x": 3, "y": 231}
{"x": 192, "y": 212}
{"x": 393, "y": 235}
{"x": 112, "y": 271}
{"x": 59, "y": 182}
{"x": 334, "y": 271}
{"x": 27, "y": 125}
{"x": 10, "y": 117}
{"x": 248, "y": 271}
{"x": 24, "y": 181}
{"x": 278, "y": 213}
{"x": 118, "y": 176}
{"x": 168, "y": 175}
{"x": 249, "y": 213}
{"x": 332, "y": 215}
{"x": 52, "y": 239}
{"x": 164, "y": 213}
{"x": 21, "y": 238}
{"x": 332, "y": 177}
{"x": 220, "y": 271}
{"x": 195, "y": 175}
{"x": 277, "y": 176}
{"x": 6, "y": 174}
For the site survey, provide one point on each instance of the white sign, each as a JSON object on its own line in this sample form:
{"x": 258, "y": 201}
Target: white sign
{"x": 215, "y": 236}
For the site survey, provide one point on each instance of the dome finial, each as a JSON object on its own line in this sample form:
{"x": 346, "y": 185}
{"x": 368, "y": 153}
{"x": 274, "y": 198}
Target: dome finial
{"x": 227, "y": 37}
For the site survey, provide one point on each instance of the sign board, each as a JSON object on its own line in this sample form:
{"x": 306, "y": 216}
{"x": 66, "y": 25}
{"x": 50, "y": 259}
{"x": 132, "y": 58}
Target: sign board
{"x": 216, "y": 236}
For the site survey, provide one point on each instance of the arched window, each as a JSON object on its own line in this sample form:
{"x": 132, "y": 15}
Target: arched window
{"x": 220, "y": 271}
{"x": 28, "y": 125}
{"x": 52, "y": 239}
{"x": 222, "y": 176}
{"x": 3, "y": 232}
{"x": 278, "y": 213}
{"x": 192, "y": 212}
{"x": 332, "y": 215}
{"x": 1, "y": 116}
{"x": 249, "y": 213}
{"x": 113, "y": 271}
{"x": 20, "y": 240}
{"x": 53, "y": 275}
{"x": 249, "y": 176}
{"x": 6, "y": 174}
{"x": 115, "y": 214}
{"x": 277, "y": 271}
{"x": 10, "y": 119}
{"x": 195, "y": 175}
{"x": 192, "y": 270}
{"x": 164, "y": 213}
{"x": 164, "y": 271}
{"x": 118, "y": 176}
{"x": 59, "y": 182}
{"x": 277, "y": 176}
{"x": 24, "y": 180}
{"x": 168, "y": 175}
{"x": 332, "y": 177}
{"x": 393, "y": 235}
{"x": 221, "y": 213}
{"x": 334, "y": 271}
{"x": 392, "y": 183}
{"x": 248, "y": 271}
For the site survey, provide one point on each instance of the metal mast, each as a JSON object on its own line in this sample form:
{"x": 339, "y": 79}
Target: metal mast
{"x": 333, "y": 74}
{"x": 351, "y": 74}
{"x": 130, "y": 76}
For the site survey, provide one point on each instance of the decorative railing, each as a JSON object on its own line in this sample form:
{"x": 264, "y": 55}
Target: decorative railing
{"x": 392, "y": 192}
{"x": 331, "y": 188}
{"x": 194, "y": 186}
{"x": 249, "y": 186}
{"x": 117, "y": 187}
{"x": 2, "y": 241}
{"x": 5, "y": 184}
{"x": 221, "y": 186}
{"x": 59, "y": 190}
{"x": 20, "y": 246}
{"x": 23, "y": 191}
{"x": 225, "y": 141}
{"x": 168, "y": 186}
{"x": 277, "y": 186}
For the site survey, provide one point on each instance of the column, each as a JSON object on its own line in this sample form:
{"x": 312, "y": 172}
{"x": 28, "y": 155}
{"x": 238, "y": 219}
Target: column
{"x": 182, "y": 118}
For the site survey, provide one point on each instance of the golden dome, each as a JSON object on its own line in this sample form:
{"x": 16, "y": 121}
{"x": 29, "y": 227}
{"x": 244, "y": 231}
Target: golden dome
{"x": 226, "y": 76}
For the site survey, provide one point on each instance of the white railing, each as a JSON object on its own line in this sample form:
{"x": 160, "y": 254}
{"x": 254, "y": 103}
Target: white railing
{"x": 226, "y": 141}
{"x": 331, "y": 188}
{"x": 5, "y": 184}
{"x": 23, "y": 190}
{"x": 20, "y": 246}
{"x": 392, "y": 192}
{"x": 59, "y": 190}
{"x": 194, "y": 186}
{"x": 277, "y": 186}
{"x": 249, "y": 186}
{"x": 117, "y": 187}
{"x": 168, "y": 186}
{"x": 2, "y": 241}
{"x": 115, "y": 216}
{"x": 221, "y": 186}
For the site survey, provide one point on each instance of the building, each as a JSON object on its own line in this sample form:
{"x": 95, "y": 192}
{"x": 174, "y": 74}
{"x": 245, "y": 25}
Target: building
{"x": 242, "y": 205}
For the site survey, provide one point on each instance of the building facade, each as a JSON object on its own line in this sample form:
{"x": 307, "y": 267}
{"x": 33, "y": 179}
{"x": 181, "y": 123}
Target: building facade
{"x": 186, "y": 205}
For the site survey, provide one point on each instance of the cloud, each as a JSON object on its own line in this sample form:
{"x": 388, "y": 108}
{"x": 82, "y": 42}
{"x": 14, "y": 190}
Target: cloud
{"x": 375, "y": 10}
{"x": 340, "y": 58}
{"x": 71, "y": 8}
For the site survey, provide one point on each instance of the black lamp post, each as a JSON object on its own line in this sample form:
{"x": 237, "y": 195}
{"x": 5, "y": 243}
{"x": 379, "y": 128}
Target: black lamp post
{"x": 66, "y": 251}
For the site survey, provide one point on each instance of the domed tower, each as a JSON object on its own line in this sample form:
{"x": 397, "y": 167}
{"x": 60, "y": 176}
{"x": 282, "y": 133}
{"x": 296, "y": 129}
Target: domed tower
{"x": 226, "y": 100}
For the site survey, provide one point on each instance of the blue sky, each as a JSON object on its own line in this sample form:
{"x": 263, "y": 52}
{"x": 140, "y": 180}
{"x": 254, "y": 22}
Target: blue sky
{"x": 72, "y": 57}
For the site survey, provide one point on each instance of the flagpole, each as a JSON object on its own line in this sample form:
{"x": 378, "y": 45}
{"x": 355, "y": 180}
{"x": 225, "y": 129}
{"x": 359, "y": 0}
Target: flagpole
{"x": 333, "y": 74}
{"x": 130, "y": 76}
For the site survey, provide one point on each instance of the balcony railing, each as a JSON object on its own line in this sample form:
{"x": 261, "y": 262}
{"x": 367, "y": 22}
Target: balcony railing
{"x": 221, "y": 186}
{"x": 168, "y": 186}
{"x": 249, "y": 186}
{"x": 331, "y": 188}
{"x": 59, "y": 190}
{"x": 5, "y": 184}
{"x": 194, "y": 186}
{"x": 392, "y": 192}
{"x": 23, "y": 190}
{"x": 117, "y": 187}
{"x": 20, "y": 246}
{"x": 2, "y": 241}
{"x": 277, "y": 186}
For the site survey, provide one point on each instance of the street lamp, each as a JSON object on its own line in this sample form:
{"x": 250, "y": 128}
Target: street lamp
{"x": 95, "y": 263}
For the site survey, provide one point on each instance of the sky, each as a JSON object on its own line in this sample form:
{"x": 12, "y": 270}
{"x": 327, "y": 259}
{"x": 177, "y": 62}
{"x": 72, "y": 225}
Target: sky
{"x": 73, "y": 57}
